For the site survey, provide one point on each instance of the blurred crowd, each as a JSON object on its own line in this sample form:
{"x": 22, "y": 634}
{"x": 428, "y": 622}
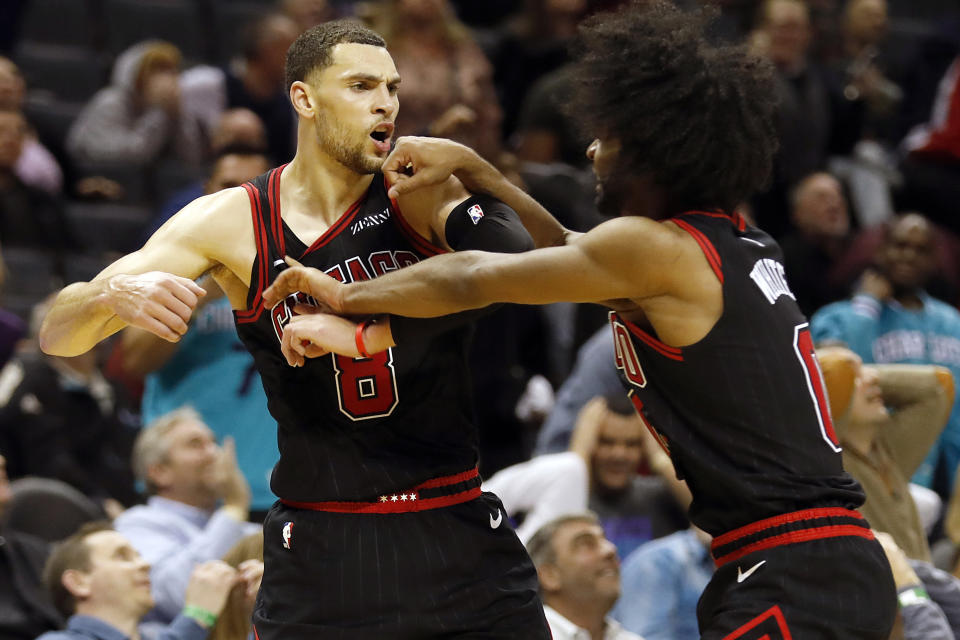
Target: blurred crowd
{"x": 131, "y": 477}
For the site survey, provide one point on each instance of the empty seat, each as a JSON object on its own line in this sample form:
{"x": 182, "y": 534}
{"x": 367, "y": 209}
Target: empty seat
{"x": 61, "y": 22}
{"x": 69, "y": 73}
{"x": 29, "y": 272}
{"x": 48, "y": 509}
{"x": 108, "y": 227}
{"x": 176, "y": 21}
{"x": 83, "y": 267}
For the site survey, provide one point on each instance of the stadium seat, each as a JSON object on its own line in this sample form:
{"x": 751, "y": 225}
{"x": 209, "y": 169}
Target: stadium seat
{"x": 108, "y": 227}
{"x": 51, "y": 118}
{"x": 69, "y": 73}
{"x": 176, "y": 21}
{"x": 48, "y": 509}
{"x": 61, "y": 22}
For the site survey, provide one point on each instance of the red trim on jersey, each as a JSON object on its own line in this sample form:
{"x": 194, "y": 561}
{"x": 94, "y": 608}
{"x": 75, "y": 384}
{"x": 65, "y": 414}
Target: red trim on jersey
{"x": 793, "y": 537}
{"x": 638, "y": 405}
{"x": 708, "y": 249}
{"x": 448, "y": 480}
{"x": 772, "y": 612}
{"x": 342, "y": 223}
{"x": 255, "y": 634}
{"x": 734, "y": 217}
{"x": 422, "y": 245}
{"x": 394, "y": 503}
{"x": 389, "y": 505}
{"x": 273, "y": 194}
{"x": 674, "y": 353}
{"x": 260, "y": 233}
{"x": 787, "y": 518}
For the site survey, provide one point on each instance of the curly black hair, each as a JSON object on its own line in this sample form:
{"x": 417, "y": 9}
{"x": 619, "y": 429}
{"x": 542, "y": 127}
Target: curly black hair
{"x": 697, "y": 117}
{"x": 313, "y": 49}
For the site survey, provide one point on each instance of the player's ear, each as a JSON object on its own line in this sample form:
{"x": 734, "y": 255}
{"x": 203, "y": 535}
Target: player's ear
{"x": 302, "y": 99}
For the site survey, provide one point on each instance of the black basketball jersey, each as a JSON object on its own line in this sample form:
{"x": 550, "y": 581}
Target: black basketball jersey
{"x": 743, "y": 412}
{"x": 353, "y": 429}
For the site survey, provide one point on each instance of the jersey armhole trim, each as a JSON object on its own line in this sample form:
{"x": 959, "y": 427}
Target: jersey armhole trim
{"x": 709, "y": 251}
{"x": 422, "y": 245}
{"x": 253, "y": 313}
{"x": 674, "y": 353}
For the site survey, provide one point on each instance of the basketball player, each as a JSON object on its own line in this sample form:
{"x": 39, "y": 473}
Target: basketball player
{"x": 381, "y": 530}
{"x": 712, "y": 348}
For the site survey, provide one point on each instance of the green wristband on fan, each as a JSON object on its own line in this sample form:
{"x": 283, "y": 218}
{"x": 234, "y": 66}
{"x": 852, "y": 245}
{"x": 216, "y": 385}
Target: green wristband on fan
{"x": 201, "y": 615}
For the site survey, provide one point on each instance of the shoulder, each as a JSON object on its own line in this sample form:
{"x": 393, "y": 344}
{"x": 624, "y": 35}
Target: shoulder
{"x": 942, "y": 309}
{"x": 423, "y": 203}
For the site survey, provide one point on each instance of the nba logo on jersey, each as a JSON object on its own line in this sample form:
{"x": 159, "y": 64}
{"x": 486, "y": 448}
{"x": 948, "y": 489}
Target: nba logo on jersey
{"x": 287, "y": 534}
{"x": 475, "y": 213}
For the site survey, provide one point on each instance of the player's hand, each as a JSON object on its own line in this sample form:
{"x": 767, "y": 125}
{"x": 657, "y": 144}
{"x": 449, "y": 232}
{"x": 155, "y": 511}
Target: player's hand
{"x": 158, "y": 302}
{"x": 316, "y": 334}
{"x": 313, "y": 282}
{"x": 418, "y": 162}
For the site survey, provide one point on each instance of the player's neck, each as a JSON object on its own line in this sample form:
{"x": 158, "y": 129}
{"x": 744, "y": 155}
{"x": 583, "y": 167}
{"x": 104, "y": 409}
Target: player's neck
{"x": 317, "y": 186}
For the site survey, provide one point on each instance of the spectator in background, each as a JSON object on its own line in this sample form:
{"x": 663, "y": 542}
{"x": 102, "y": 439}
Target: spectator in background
{"x": 209, "y": 369}
{"x": 447, "y": 81}
{"x": 545, "y": 132}
{"x": 25, "y": 608}
{"x": 536, "y": 42}
{"x": 601, "y": 473}
{"x": 186, "y": 475}
{"x": 809, "y": 118}
{"x": 662, "y": 582}
{"x": 36, "y": 166}
{"x": 931, "y": 168}
{"x": 929, "y": 599}
{"x": 137, "y": 119}
{"x": 254, "y": 82}
{"x": 235, "y": 159}
{"x": 819, "y": 240}
{"x": 102, "y": 585}
{"x": 61, "y": 418}
{"x": 29, "y": 217}
{"x": 591, "y": 376}
{"x": 579, "y": 578}
{"x": 891, "y": 319}
{"x": 887, "y": 417}
{"x": 308, "y": 13}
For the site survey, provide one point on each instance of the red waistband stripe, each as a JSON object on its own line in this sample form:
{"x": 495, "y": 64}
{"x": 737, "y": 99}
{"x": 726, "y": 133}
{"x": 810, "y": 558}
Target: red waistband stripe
{"x": 789, "y": 528}
{"x": 407, "y": 501}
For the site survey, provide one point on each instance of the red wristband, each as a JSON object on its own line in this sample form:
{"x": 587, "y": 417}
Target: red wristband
{"x": 359, "y": 337}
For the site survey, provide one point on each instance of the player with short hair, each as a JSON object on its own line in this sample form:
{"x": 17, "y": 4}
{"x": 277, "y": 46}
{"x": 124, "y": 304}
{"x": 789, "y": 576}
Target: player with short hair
{"x": 381, "y": 530}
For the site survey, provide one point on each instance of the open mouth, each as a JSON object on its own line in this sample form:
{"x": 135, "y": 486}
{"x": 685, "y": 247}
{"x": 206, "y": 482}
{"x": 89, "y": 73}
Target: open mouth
{"x": 381, "y": 136}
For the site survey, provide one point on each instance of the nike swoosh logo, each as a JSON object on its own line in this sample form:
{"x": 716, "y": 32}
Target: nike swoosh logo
{"x": 743, "y": 575}
{"x": 759, "y": 244}
{"x": 495, "y": 522}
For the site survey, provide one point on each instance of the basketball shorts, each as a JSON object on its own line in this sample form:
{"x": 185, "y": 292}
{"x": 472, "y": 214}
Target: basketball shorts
{"x": 810, "y": 575}
{"x": 455, "y": 571}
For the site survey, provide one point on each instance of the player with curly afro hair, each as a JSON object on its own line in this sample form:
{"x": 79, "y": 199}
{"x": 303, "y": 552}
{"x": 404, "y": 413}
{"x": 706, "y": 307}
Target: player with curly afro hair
{"x": 697, "y": 117}
{"x": 710, "y": 344}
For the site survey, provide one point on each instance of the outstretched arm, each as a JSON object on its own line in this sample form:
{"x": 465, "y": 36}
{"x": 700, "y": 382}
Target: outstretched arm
{"x": 627, "y": 257}
{"x": 151, "y": 288}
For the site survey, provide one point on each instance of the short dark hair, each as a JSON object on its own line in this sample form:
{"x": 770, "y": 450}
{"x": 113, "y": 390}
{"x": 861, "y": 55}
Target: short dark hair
{"x": 312, "y": 49}
{"x": 71, "y": 553}
{"x": 697, "y": 117}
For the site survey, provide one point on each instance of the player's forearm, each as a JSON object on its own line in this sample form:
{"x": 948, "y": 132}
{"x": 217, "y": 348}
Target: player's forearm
{"x": 448, "y": 284}
{"x": 79, "y": 319}
{"x": 479, "y": 176}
